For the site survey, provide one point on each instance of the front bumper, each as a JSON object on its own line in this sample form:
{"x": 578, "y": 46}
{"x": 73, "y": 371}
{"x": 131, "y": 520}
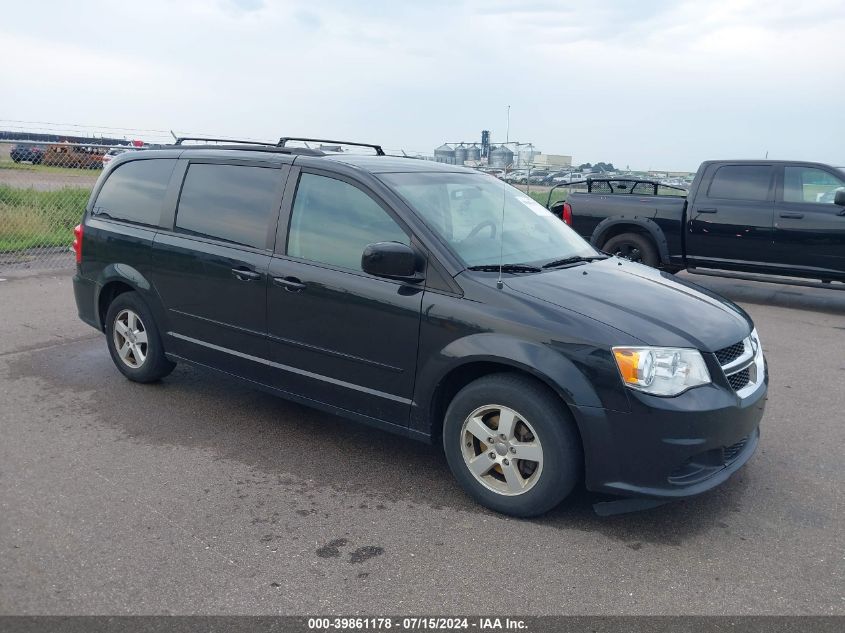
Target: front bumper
{"x": 671, "y": 447}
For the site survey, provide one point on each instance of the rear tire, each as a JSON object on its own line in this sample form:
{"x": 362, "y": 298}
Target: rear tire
{"x": 522, "y": 418}
{"x": 134, "y": 340}
{"x": 635, "y": 247}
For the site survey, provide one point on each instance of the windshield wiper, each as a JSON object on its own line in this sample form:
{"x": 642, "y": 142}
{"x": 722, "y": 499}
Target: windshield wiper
{"x": 575, "y": 259}
{"x": 505, "y": 268}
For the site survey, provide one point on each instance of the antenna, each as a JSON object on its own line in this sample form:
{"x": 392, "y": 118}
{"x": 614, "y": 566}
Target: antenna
{"x": 499, "y": 283}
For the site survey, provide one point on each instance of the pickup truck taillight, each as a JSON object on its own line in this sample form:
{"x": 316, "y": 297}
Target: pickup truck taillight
{"x": 77, "y": 242}
{"x": 566, "y": 214}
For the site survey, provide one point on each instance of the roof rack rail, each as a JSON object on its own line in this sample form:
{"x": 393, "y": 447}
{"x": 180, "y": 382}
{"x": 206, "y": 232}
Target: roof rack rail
{"x": 285, "y": 139}
{"x": 222, "y": 140}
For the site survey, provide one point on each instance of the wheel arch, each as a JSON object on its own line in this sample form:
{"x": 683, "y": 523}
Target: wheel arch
{"x": 611, "y": 227}
{"x": 114, "y": 280}
{"x": 533, "y": 360}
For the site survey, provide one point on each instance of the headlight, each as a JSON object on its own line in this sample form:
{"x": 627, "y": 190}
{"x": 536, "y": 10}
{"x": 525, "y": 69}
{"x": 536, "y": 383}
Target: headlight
{"x": 662, "y": 371}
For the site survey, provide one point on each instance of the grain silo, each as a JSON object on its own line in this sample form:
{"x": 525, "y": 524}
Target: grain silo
{"x": 500, "y": 157}
{"x": 460, "y": 154}
{"x": 444, "y": 154}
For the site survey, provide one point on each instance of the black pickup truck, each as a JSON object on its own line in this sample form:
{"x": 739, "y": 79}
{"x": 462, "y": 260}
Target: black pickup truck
{"x": 782, "y": 218}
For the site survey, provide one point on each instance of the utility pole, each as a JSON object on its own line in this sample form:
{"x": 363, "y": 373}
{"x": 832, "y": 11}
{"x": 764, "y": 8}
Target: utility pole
{"x": 508, "y": 132}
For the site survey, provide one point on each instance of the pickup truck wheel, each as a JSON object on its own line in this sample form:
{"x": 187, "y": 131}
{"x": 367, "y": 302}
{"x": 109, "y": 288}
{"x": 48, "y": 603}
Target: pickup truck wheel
{"x": 512, "y": 445}
{"x": 633, "y": 246}
{"x": 134, "y": 341}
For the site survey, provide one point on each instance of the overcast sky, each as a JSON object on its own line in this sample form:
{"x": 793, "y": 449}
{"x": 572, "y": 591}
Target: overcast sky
{"x": 647, "y": 83}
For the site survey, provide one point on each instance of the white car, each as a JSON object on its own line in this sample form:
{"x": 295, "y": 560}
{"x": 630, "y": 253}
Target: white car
{"x": 570, "y": 177}
{"x": 115, "y": 152}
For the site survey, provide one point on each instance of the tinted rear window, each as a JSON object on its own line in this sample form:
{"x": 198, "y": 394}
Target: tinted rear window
{"x": 741, "y": 182}
{"x": 229, "y": 202}
{"x": 134, "y": 191}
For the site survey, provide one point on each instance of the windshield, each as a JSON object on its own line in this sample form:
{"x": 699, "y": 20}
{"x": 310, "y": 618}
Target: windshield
{"x": 466, "y": 211}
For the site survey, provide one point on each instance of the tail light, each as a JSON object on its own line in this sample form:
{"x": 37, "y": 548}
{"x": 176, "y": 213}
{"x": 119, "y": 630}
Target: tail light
{"x": 566, "y": 215}
{"x": 77, "y": 242}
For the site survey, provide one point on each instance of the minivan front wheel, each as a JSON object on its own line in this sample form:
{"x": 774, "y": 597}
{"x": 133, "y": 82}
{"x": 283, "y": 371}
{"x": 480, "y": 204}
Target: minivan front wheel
{"x": 134, "y": 341}
{"x": 512, "y": 444}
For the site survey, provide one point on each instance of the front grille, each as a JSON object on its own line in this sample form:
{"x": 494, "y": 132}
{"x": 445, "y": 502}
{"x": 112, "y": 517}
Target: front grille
{"x": 740, "y": 379}
{"x": 731, "y": 452}
{"x": 729, "y": 354}
{"x": 738, "y": 363}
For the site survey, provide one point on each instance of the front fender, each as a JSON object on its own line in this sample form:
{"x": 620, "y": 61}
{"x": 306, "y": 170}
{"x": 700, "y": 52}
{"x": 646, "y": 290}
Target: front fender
{"x": 548, "y": 365}
{"x": 649, "y": 225}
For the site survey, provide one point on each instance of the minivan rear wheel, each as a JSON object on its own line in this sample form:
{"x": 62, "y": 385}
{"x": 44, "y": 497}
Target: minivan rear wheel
{"x": 134, "y": 340}
{"x": 512, "y": 444}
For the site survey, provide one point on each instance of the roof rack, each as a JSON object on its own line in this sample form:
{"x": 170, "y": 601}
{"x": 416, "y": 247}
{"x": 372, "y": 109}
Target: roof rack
{"x": 285, "y": 139}
{"x": 222, "y": 140}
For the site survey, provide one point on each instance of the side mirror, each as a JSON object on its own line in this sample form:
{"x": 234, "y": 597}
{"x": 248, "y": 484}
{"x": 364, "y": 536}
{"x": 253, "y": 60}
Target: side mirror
{"x": 839, "y": 198}
{"x": 391, "y": 259}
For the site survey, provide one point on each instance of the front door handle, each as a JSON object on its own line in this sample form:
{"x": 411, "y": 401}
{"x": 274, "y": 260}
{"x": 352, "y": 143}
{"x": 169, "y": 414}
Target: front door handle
{"x": 291, "y": 284}
{"x": 794, "y": 216}
{"x": 245, "y": 274}
{"x": 707, "y": 210}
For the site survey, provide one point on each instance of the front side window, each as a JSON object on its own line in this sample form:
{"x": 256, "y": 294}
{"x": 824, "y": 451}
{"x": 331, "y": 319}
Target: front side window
{"x": 332, "y": 222}
{"x": 741, "y": 182}
{"x": 134, "y": 192}
{"x": 234, "y": 203}
{"x": 485, "y": 221}
{"x": 809, "y": 184}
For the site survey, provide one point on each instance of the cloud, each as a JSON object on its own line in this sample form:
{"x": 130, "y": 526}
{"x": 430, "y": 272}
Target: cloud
{"x": 651, "y": 83}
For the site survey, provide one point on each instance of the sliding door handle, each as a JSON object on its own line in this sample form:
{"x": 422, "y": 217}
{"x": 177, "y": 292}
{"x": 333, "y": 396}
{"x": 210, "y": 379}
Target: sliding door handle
{"x": 793, "y": 215}
{"x": 245, "y": 274}
{"x": 710, "y": 210}
{"x": 291, "y": 284}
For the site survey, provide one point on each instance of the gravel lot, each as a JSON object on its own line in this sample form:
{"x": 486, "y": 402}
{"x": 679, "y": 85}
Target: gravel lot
{"x": 200, "y": 496}
{"x": 41, "y": 179}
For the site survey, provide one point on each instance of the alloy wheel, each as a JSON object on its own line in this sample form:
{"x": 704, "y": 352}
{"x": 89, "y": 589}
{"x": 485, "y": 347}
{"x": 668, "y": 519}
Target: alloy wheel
{"x": 130, "y": 338}
{"x": 501, "y": 450}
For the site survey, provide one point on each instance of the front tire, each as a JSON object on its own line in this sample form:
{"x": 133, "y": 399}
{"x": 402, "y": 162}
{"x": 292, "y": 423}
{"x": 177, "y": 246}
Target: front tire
{"x": 134, "y": 340}
{"x": 512, "y": 445}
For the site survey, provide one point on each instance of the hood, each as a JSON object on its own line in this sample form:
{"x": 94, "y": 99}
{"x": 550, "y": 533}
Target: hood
{"x": 654, "y": 307}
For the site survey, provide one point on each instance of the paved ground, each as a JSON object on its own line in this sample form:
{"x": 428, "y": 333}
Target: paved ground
{"x": 197, "y": 496}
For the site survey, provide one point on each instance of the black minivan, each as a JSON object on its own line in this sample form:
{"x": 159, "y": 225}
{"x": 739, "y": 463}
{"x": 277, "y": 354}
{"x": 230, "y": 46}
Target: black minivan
{"x": 425, "y": 299}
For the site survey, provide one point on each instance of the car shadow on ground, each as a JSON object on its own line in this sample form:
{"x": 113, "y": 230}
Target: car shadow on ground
{"x": 308, "y": 451}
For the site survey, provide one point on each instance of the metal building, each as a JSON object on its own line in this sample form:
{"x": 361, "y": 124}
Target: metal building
{"x": 485, "y": 143}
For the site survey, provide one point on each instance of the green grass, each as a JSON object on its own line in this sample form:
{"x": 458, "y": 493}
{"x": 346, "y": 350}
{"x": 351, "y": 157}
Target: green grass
{"x": 31, "y": 218}
{"x": 543, "y": 196}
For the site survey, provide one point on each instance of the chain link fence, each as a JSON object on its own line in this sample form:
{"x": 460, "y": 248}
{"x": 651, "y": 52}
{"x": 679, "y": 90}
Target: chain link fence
{"x": 44, "y": 188}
